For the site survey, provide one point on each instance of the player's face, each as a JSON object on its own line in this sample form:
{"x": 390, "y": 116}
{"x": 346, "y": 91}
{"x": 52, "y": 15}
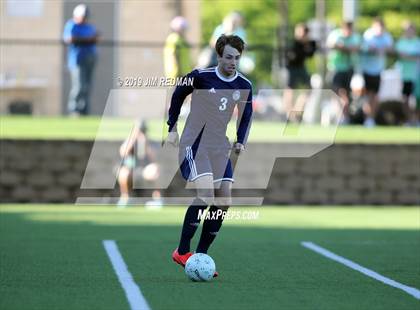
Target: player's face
{"x": 229, "y": 61}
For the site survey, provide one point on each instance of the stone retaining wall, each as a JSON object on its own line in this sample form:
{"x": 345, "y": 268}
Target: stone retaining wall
{"x": 52, "y": 171}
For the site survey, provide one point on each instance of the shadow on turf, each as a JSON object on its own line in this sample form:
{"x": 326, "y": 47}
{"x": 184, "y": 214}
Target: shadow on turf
{"x": 260, "y": 267}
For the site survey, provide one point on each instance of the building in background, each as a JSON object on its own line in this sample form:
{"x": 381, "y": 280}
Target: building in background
{"x": 33, "y": 75}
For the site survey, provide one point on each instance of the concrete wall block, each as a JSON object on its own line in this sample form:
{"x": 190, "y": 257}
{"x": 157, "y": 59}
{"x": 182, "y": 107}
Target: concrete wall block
{"x": 3, "y": 161}
{"x": 352, "y": 151}
{"x": 379, "y": 169}
{"x": 57, "y": 164}
{"x": 80, "y": 165}
{"x": 330, "y": 183}
{"x": 10, "y": 178}
{"x": 413, "y": 184}
{"x": 313, "y": 197}
{"x": 314, "y": 168}
{"x": 70, "y": 178}
{"x": 409, "y": 154}
{"x": 55, "y": 194}
{"x": 45, "y": 150}
{"x": 40, "y": 178}
{"x": 21, "y": 163}
{"x": 358, "y": 183}
{"x": 392, "y": 184}
{"x": 24, "y": 193}
{"x": 283, "y": 166}
{"x": 350, "y": 196}
{"x": 379, "y": 197}
{"x": 408, "y": 169}
{"x": 343, "y": 167}
{"x": 280, "y": 196}
{"x": 293, "y": 182}
{"x": 408, "y": 197}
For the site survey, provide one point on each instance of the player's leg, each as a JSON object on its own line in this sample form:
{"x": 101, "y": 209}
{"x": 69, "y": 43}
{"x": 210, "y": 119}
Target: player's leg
{"x": 196, "y": 169}
{"x": 213, "y": 223}
{"x": 195, "y": 211}
{"x": 341, "y": 85}
{"x": 372, "y": 83}
{"x": 303, "y": 82}
{"x": 193, "y": 217}
{"x": 125, "y": 181}
{"x": 223, "y": 178}
{"x": 86, "y": 83}
{"x": 72, "y": 106}
{"x": 407, "y": 90}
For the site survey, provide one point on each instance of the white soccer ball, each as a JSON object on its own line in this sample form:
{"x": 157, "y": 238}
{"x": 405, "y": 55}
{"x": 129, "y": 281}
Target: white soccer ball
{"x": 200, "y": 267}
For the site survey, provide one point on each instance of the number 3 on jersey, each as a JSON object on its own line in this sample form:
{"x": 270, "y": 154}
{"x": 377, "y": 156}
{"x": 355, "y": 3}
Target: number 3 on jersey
{"x": 223, "y": 103}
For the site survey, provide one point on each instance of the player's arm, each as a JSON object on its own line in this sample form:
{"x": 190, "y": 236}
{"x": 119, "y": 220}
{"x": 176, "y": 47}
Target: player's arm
{"x": 243, "y": 123}
{"x": 178, "y": 97}
{"x": 128, "y": 146}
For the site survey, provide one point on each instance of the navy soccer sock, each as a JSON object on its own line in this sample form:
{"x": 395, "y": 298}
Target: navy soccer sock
{"x": 211, "y": 227}
{"x": 191, "y": 223}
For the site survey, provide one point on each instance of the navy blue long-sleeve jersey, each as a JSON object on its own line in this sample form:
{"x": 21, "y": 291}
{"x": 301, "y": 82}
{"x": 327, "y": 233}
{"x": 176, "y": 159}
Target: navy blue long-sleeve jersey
{"x": 214, "y": 98}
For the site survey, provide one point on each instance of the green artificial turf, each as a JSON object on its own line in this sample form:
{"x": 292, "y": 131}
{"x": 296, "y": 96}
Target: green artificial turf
{"x": 52, "y": 257}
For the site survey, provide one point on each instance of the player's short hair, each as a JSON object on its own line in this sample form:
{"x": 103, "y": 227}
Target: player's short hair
{"x": 232, "y": 40}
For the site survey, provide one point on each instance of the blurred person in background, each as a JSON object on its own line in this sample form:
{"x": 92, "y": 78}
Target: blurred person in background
{"x": 344, "y": 44}
{"x": 138, "y": 162}
{"x": 176, "y": 52}
{"x": 377, "y": 42}
{"x": 81, "y": 38}
{"x": 300, "y": 49}
{"x": 408, "y": 52}
{"x": 417, "y": 96}
{"x": 358, "y": 99}
{"x": 232, "y": 25}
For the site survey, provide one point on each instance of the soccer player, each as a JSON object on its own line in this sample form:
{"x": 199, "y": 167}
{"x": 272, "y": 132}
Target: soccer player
{"x": 204, "y": 149}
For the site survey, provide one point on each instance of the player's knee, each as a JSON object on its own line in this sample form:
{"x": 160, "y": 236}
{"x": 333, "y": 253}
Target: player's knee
{"x": 208, "y": 200}
{"x": 199, "y": 203}
{"x": 124, "y": 174}
{"x": 224, "y": 196}
{"x": 206, "y": 195}
{"x": 223, "y": 204}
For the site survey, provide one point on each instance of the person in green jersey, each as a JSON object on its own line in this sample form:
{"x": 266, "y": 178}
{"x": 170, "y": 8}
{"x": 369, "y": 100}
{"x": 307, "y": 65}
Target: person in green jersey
{"x": 344, "y": 45}
{"x": 176, "y": 52}
{"x": 408, "y": 51}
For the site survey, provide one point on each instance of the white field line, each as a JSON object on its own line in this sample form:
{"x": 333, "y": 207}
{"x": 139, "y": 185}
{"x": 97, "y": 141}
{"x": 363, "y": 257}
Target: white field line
{"x": 131, "y": 289}
{"x": 370, "y": 273}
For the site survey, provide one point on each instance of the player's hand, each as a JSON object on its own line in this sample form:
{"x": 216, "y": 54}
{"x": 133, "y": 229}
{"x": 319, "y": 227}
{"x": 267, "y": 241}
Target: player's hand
{"x": 172, "y": 138}
{"x": 238, "y": 148}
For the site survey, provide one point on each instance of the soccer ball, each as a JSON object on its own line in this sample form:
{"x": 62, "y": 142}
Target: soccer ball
{"x": 200, "y": 267}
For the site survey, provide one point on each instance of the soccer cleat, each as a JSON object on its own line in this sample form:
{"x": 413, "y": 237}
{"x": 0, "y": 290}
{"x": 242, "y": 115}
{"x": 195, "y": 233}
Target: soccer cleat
{"x": 182, "y": 260}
